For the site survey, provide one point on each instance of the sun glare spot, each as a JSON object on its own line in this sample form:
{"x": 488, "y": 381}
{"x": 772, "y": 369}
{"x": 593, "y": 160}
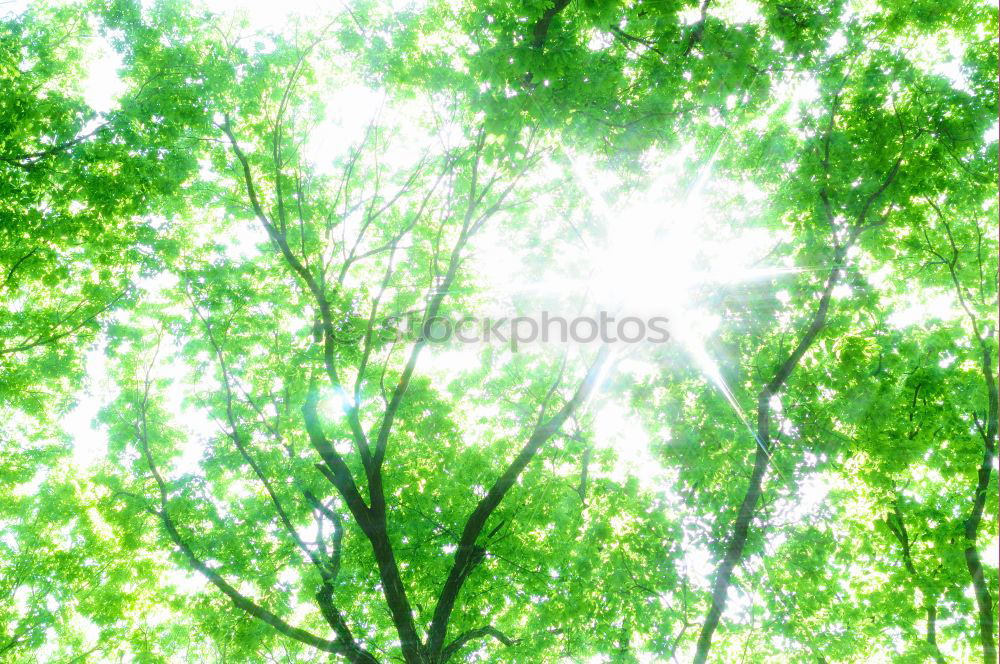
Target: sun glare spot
{"x": 333, "y": 404}
{"x": 662, "y": 253}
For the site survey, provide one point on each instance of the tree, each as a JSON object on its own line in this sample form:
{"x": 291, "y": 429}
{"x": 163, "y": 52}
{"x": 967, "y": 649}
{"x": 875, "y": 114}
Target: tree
{"x": 301, "y": 468}
{"x": 368, "y": 244}
{"x": 80, "y": 188}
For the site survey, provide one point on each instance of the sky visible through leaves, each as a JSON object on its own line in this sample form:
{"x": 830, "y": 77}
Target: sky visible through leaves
{"x": 219, "y": 448}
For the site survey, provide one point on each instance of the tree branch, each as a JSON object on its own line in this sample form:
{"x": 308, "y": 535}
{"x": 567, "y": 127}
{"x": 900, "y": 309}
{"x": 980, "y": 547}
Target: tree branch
{"x": 452, "y": 648}
{"x": 468, "y": 553}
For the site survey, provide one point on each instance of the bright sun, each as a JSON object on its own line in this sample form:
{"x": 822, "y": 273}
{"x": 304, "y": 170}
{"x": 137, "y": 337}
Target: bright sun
{"x": 660, "y": 255}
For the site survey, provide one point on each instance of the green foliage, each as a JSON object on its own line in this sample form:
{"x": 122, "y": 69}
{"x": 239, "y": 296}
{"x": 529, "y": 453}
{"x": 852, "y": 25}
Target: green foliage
{"x": 220, "y": 262}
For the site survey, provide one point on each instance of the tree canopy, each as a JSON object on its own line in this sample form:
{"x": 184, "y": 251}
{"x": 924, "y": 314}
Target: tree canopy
{"x": 557, "y": 331}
